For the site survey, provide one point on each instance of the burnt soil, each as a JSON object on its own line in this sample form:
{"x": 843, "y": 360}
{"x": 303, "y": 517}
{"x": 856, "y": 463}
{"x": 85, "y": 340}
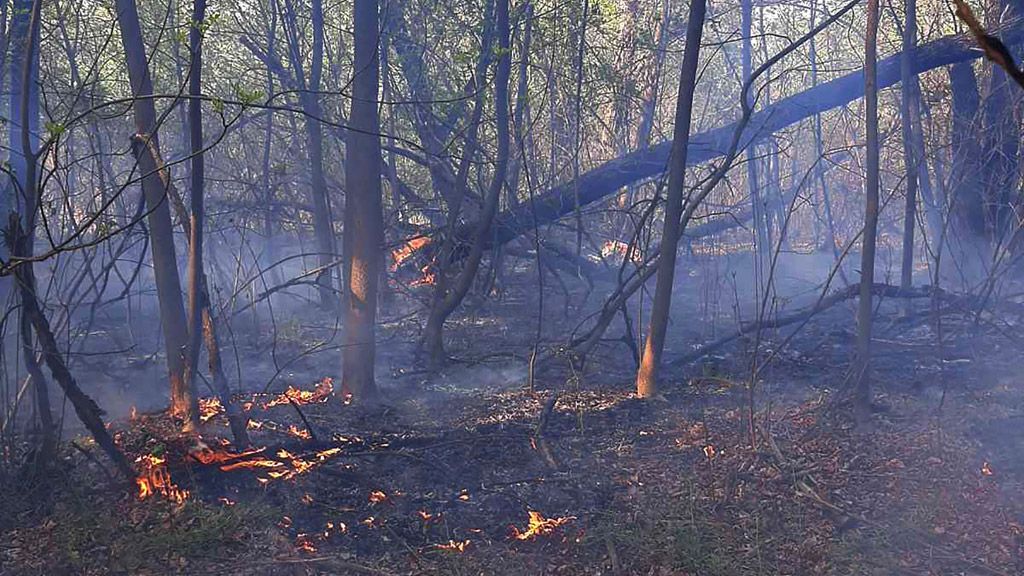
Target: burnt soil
{"x": 442, "y": 476}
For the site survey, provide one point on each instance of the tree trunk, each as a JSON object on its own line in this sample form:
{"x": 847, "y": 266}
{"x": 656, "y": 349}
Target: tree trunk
{"x": 862, "y": 363}
{"x": 433, "y": 333}
{"x": 647, "y": 375}
{"x": 165, "y": 265}
{"x": 908, "y": 106}
{"x": 364, "y": 226}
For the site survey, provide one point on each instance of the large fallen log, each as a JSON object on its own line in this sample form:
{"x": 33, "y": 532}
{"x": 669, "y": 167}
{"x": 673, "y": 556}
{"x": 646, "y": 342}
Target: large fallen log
{"x": 648, "y": 163}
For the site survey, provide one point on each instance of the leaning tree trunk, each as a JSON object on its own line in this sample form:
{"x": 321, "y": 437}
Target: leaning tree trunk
{"x": 862, "y": 363}
{"x": 23, "y": 138}
{"x": 597, "y": 184}
{"x": 364, "y": 226}
{"x": 433, "y": 333}
{"x": 165, "y": 264}
{"x": 647, "y": 375}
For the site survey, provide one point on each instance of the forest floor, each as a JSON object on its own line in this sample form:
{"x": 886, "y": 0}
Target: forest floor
{"x": 455, "y": 474}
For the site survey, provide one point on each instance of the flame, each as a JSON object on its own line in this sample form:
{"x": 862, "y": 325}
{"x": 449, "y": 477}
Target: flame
{"x": 209, "y": 407}
{"x": 377, "y": 496}
{"x": 318, "y": 395}
{"x": 986, "y": 470}
{"x": 454, "y": 546}
{"x": 427, "y": 279}
{"x": 154, "y": 478}
{"x": 133, "y": 415}
{"x": 540, "y": 526}
{"x": 403, "y": 252}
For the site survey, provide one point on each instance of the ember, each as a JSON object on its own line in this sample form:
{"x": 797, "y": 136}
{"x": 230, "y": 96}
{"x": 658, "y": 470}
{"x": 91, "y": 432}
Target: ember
{"x": 454, "y": 546}
{"x": 376, "y": 497}
{"x": 540, "y": 526}
{"x": 986, "y": 470}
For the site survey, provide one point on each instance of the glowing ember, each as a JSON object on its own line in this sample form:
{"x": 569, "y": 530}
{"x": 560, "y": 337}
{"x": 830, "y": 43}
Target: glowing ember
{"x": 305, "y": 543}
{"x": 318, "y": 395}
{"x": 454, "y": 546}
{"x": 540, "y": 526}
{"x": 403, "y": 252}
{"x": 376, "y": 497}
{"x": 464, "y": 495}
{"x": 426, "y": 516}
{"x": 295, "y": 431}
{"x": 226, "y": 501}
{"x": 710, "y": 452}
{"x": 209, "y": 407}
{"x": 986, "y": 470}
{"x": 154, "y": 478}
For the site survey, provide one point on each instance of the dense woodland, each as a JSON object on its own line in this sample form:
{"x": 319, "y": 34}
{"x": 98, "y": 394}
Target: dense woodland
{"x": 647, "y": 287}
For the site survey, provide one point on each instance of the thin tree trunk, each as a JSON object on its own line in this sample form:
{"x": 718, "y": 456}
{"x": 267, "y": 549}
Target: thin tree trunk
{"x": 364, "y": 226}
{"x": 862, "y": 363}
{"x": 165, "y": 265}
{"x": 647, "y": 375}
{"x": 908, "y": 90}
{"x": 433, "y": 333}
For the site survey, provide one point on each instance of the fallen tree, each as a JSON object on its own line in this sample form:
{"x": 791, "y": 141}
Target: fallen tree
{"x": 650, "y": 162}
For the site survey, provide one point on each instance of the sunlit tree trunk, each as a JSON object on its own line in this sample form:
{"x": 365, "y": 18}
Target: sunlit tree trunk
{"x": 165, "y": 265}
{"x": 364, "y": 226}
{"x": 862, "y": 362}
{"x": 647, "y": 375}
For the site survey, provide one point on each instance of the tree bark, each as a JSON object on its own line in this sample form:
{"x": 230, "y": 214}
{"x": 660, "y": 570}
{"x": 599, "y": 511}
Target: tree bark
{"x": 433, "y": 333}
{"x": 647, "y": 375}
{"x": 865, "y": 311}
{"x": 165, "y": 265}
{"x": 364, "y": 226}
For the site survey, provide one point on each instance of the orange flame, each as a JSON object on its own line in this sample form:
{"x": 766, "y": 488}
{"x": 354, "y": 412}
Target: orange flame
{"x": 154, "y": 478}
{"x": 209, "y": 407}
{"x": 377, "y": 496}
{"x": 540, "y": 526}
{"x": 403, "y": 252}
{"x": 454, "y": 546}
{"x": 318, "y": 395}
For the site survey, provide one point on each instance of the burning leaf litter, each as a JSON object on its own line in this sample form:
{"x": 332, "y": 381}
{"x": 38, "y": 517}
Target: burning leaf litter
{"x": 540, "y": 526}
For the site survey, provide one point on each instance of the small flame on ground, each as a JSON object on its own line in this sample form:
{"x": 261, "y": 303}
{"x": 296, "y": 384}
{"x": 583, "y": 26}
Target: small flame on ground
{"x": 305, "y": 543}
{"x": 318, "y": 395}
{"x": 377, "y": 496}
{"x": 454, "y": 546}
{"x": 540, "y": 526}
{"x": 986, "y": 470}
{"x": 209, "y": 407}
{"x": 154, "y": 478}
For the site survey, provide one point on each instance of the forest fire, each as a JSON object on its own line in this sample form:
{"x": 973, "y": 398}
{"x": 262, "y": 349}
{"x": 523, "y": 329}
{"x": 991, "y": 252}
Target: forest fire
{"x": 154, "y": 479}
{"x": 405, "y": 251}
{"x": 209, "y": 408}
{"x": 540, "y": 526}
{"x": 321, "y": 393}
